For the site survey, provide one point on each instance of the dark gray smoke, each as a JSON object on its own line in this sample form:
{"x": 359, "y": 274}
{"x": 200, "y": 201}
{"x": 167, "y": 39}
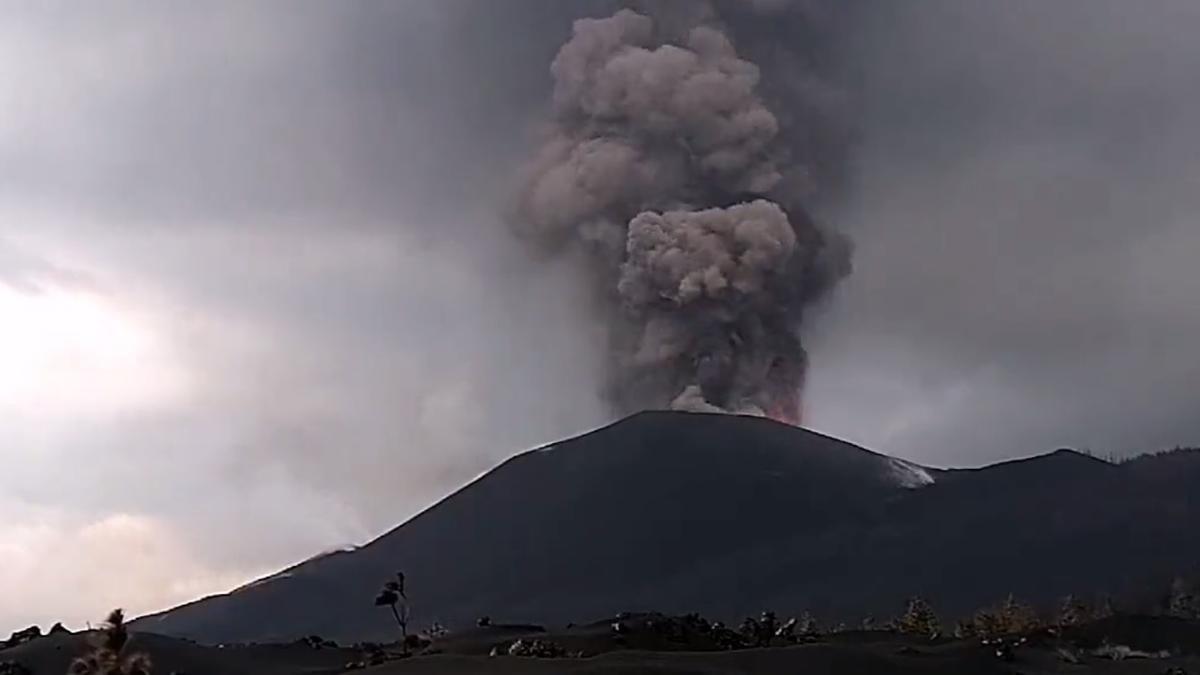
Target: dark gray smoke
{"x": 669, "y": 171}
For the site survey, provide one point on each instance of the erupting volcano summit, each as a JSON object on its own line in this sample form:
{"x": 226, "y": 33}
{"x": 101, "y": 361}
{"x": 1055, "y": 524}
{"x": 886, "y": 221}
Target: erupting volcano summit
{"x": 666, "y": 173}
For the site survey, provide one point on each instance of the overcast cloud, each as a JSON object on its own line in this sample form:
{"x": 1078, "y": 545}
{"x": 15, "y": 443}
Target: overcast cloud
{"x": 1026, "y": 224}
{"x": 256, "y": 300}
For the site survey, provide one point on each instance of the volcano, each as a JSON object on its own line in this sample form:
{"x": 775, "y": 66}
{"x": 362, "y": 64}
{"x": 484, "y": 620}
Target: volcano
{"x": 728, "y": 516}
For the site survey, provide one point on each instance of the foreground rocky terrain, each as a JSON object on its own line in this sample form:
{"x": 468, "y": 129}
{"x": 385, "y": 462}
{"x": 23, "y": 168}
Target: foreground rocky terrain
{"x": 1133, "y": 645}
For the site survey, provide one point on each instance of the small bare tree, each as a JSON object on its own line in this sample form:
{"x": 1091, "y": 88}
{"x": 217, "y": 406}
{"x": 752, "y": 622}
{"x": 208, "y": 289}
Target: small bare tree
{"x": 393, "y": 595}
{"x": 108, "y": 647}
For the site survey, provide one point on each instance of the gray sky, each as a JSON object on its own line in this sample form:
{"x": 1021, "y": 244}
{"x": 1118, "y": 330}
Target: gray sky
{"x": 257, "y": 301}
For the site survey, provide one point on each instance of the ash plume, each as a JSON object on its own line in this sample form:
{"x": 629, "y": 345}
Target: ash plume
{"x": 668, "y": 171}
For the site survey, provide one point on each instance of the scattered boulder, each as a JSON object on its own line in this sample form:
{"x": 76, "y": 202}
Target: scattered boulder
{"x": 767, "y": 630}
{"x": 759, "y": 632}
{"x": 58, "y": 629}
{"x": 1068, "y": 655}
{"x": 1004, "y": 648}
{"x": 541, "y": 649}
{"x": 1123, "y": 652}
{"x": 695, "y": 631}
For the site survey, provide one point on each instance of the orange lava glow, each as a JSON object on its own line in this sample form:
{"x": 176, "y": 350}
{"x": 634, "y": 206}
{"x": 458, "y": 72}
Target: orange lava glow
{"x": 787, "y": 409}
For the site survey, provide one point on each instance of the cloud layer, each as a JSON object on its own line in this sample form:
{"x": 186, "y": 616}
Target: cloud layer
{"x": 1024, "y": 215}
{"x": 254, "y": 273}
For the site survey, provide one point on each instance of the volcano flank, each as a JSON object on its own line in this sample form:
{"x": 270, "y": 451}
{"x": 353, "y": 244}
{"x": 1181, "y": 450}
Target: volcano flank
{"x": 729, "y": 515}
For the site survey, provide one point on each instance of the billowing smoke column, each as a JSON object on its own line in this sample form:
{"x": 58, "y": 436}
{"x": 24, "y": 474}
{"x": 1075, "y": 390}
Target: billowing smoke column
{"x": 667, "y": 174}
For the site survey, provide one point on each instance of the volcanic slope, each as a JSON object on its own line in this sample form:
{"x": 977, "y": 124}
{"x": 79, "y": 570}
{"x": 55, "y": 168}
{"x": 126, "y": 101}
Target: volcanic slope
{"x": 727, "y": 516}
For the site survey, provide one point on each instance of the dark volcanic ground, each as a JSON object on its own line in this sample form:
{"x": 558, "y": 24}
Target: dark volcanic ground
{"x": 639, "y": 650}
{"x": 728, "y": 516}
{"x": 52, "y": 655}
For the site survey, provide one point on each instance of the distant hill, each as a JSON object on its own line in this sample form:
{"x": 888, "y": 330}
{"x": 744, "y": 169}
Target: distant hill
{"x": 727, "y": 515}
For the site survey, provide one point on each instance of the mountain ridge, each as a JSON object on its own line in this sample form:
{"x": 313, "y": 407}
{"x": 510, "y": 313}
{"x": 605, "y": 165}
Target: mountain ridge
{"x": 682, "y": 512}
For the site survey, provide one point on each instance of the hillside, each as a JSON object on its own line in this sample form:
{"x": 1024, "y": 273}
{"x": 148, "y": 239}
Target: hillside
{"x": 728, "y": 515}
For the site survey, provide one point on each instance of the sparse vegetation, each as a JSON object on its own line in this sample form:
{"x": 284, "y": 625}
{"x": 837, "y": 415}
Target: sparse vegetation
{"x": 759, "y": 632}
{"x": 807, "y": 628}
{"x": 690, "y": 630}
{"x": 1177, "y": 451}
{"x": 1072, "y": 612}
{"x": 793, "y": 630}
{"x": 1011, "y": 618}
{"x": 1010, "y": 631}
{"x": 919, "y": 619}
{"x": 765, "y": 631}
{"x": 108, "y": 655}
{"x": 317, "y": 642}
{"x": 1182, "y": 602}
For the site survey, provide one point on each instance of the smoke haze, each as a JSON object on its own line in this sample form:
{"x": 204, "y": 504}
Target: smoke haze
{"x": 261, "y": 297}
